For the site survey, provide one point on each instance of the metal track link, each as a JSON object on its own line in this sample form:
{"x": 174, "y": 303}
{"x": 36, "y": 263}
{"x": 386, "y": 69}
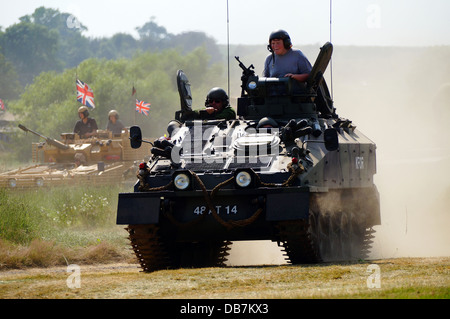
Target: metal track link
{"x": 367, "y": 242}
{"x": 312, "y": 241}
{"x": 155, "y": 253}
{"x": 297, "y": 243}
{"x": 148, "y": 247}
{"x": 223, "y": 253}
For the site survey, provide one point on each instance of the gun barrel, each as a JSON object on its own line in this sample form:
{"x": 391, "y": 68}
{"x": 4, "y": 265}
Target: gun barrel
{"x": 28, "y": 130}
{"x": 49, "y": 140}
{"x": 247, "y": 71}
{"x": 23, "y": 128}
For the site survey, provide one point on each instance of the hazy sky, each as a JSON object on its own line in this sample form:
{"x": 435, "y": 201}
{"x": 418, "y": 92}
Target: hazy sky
{"x": 354, "y": 22}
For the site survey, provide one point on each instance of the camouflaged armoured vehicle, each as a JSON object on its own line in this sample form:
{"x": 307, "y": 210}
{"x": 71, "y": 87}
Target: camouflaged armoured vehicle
{"x": 289, "y": 169}
{"x": 102, "y": 160}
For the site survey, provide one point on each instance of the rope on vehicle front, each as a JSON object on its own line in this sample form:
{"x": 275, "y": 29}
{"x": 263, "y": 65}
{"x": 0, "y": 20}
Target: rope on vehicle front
{"x": 208, "y": 198}
{"x": 145, "y": 187}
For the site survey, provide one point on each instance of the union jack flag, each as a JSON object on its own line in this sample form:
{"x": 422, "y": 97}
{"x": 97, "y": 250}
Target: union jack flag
{"x": 85, "y": 95}
{"x": 2, "y": 105}
{"x": 142, "y": 107}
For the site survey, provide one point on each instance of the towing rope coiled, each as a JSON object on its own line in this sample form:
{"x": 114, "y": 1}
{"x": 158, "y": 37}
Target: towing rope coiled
{"x": 144, "y": 187}
{"x": 208, "y": 198}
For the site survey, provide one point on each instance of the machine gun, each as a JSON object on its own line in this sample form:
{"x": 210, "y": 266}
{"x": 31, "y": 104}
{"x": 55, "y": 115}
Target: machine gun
{"x": 49, "y": 140}
{"x": 246, "y": 74}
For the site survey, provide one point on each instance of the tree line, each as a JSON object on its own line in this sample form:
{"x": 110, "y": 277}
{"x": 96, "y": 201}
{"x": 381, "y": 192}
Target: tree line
{"x": 42, "y": 56}
{"x": 50, "y": 40}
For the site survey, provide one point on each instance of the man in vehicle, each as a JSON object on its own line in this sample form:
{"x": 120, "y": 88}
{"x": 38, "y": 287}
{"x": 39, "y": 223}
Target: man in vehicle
{"x": 85, "y": 126}
{"x": 217, "y": 106}
{"x": 114, "y": 124}
{"x": 284, "y": 61}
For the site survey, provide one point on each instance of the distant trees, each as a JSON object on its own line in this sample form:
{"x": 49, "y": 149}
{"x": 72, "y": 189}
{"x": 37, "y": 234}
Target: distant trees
{"x": 31, "y": 48}
{"x": 49, "y": 104}
{"x": 153, "y": 36}
{"x": 49, "y": 40}
{"x": 43, "y": 54}
{"x": 73, "y": 47}
{"x": 9, "y": 81}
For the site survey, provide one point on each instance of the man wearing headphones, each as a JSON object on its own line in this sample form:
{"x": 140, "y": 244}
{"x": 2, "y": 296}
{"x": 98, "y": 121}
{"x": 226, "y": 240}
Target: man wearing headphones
{"x": 285, "y": 61}
{"x": 85, "y": 126}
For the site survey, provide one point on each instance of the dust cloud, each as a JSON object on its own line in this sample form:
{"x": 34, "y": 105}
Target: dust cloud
{"x": 413, "y": 179}
{"x": 400, "y": 99}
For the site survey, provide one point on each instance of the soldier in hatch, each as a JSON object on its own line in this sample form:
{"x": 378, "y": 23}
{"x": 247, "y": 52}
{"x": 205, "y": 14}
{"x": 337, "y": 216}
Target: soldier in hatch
{"x": 85, "y": 126}
{"x": 283, "y": 60}
{"x": 114, "y": 124}
{"x": 217, "y": 106}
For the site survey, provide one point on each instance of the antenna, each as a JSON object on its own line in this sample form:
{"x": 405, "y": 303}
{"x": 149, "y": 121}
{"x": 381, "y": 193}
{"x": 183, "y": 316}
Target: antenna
{"x": 228, "y": 48}
{"x": 331, "y": 59}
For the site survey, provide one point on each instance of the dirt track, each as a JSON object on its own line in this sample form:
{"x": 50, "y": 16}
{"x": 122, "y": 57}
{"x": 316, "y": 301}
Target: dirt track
{"x": 398, "y": 278}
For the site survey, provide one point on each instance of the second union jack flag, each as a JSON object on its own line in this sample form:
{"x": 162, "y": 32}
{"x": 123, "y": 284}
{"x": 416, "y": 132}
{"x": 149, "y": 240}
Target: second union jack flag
{"x": 142, "y": 107}
{"x": 85, "y": 95}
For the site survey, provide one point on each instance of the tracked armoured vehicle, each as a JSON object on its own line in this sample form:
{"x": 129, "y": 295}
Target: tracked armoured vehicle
{"x": 102, "y": 160}
{"x": 289, "y": 169}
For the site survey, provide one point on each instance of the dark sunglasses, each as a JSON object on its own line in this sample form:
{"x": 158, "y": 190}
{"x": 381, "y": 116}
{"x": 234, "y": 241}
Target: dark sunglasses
{"x": 214, "y": 101}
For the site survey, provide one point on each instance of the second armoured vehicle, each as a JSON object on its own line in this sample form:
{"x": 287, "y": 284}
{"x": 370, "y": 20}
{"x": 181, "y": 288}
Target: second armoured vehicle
{"x": 101, "y": 160}
{"x": 288, "y": 169}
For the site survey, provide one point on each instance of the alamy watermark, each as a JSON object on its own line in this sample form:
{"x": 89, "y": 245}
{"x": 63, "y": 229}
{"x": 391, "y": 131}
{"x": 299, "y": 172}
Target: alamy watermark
{"x": 374, "y": 279}
{"x": 74, "y": 279}
{"x": 249, "y": 145}
{"x": 373, "y": 20}
{"x": 72, "y": 22}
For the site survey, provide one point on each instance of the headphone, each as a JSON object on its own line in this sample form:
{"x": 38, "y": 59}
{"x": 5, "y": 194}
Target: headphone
{"x": 217, "y": 93}
{"x": 280, "y": 34}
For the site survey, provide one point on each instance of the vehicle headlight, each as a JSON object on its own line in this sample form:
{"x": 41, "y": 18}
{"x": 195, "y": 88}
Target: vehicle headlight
{"x": 182, "y": 181}
{"x": 243, "y": 179}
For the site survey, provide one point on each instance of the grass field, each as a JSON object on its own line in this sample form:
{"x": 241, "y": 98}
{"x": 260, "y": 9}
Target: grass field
{"x": 51, "y": 227}
{"x": 44, "y": 231}
{"x": 402, "y": 278}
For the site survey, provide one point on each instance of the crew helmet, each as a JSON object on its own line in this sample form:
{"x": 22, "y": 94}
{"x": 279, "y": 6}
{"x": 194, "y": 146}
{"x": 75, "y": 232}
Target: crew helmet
{"x": 83, "y": 109}
{"x": 217, "y": 94}
{"x": 114, "y": 113}
{"x": 282, "y": 35}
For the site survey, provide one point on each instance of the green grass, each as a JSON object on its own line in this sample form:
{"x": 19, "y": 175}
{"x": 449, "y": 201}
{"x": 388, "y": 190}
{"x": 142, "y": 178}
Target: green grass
{"x": 19, "y": 221}
{"x": 54, "y": 226}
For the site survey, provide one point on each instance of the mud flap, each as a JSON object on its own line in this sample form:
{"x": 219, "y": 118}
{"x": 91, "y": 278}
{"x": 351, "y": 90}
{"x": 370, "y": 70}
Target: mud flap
{"x": 135, "y": 210}
{"x": 287, "y": 206}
